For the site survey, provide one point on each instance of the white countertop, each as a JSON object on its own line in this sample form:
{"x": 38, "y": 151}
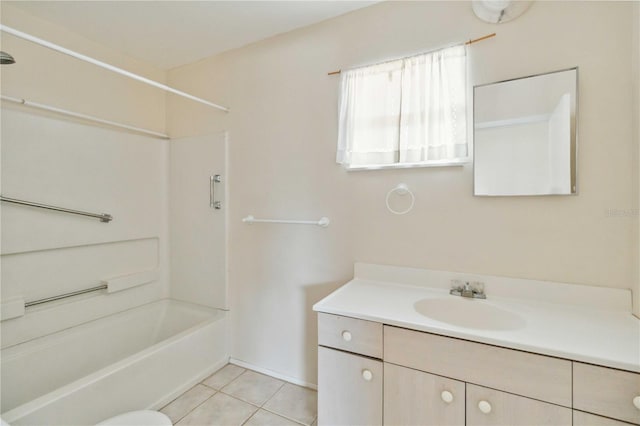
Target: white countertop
{"x": 604, "y": 335}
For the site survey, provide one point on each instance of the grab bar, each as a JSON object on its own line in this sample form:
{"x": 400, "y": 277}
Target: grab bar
{"x": 112, "y": 285}
{"x": 324, "y": 221}
{"x": 104, "y": 217}
{"x": 213, "y": 179}
{"x": 65, "y": 295}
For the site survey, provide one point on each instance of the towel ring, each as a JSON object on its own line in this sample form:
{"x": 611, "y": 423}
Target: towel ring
{"x": 401, "y": 189}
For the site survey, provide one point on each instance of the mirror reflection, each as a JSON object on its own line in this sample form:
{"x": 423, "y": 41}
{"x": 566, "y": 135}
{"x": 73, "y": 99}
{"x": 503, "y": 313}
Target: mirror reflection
{"x": 525, "y": 137}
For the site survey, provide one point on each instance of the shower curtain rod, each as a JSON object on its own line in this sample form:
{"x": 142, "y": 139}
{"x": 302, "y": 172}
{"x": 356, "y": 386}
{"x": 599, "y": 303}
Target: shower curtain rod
{"x": 83, "y": 116}
{"x": 475, "y": 40}
{"x": 107, "y": 66}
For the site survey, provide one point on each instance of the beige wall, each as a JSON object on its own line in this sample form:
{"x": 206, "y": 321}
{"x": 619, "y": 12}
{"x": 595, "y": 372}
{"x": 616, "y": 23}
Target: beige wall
{"x": 635, "y": 55}
{"x": 55, "y": 160}
{"x": 282, "y": 151}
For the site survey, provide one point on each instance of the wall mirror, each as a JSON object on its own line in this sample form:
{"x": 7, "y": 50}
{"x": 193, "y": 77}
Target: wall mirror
{"x": 525, "y": 135}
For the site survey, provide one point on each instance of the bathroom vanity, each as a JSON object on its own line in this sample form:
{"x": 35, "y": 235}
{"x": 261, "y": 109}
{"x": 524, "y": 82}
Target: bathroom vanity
{"x": 396, "y": 348}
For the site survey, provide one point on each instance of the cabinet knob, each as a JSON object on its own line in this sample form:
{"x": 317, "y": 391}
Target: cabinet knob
{"x": 367, "y": 375}
{"x": 484, "y": 406}
{"x": 636, "y": 402}
{"x": 447, "y": 397}
{"x": 346, "y": 336}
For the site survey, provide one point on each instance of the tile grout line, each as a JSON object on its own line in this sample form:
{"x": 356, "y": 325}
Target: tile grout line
{"x": 251, "y": 403}
{"x": 279, "y": 415}
{"x": 231, "y": 381}
{"x": 194, "y": 408}
{"x": 287, "y": 417}
{"x": 208, "y": 387}
{"x": 257, "y": 407}
{"x": 215, "y": 391}
{"x": 274, "y": 394}
{"x": 284, "y": 415}
{"x": 250, "y": 417}
{"x": 282, "y": 383}
{"x": 252, "y": 414}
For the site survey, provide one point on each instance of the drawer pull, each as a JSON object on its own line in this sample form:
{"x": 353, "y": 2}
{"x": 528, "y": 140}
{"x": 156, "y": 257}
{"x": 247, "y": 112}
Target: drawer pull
{"x": 346, "y": 336}
{"x": 447, "y": 397}
{"x": 484, "y": 406}
{"x": 636, "y": 402}
{"x": 367, "y": 375}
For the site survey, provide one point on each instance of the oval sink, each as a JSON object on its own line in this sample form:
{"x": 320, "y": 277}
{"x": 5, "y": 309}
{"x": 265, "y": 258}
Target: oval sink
{"x": 469, "y": 313}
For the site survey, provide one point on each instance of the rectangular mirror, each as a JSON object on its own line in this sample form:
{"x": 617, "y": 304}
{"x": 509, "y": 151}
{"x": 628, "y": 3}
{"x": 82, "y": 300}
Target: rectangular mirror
{"x": 525, "y": 135}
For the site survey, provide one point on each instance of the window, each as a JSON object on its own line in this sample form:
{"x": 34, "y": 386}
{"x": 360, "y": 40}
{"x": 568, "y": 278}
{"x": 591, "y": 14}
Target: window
{"x": 406, "y": 112}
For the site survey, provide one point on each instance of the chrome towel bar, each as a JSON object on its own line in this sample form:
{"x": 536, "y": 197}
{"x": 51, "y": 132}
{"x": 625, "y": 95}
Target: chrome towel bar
{"x": 323, "y": 222}
{"x": 104, "y": 217}
{"x": 64, "y": 296}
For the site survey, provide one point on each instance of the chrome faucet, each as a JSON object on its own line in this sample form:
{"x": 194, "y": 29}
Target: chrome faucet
{"x": 473, "y": 290}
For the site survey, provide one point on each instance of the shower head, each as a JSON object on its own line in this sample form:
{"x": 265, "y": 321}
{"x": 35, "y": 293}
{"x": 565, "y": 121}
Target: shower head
{"x": 6, "y": 59}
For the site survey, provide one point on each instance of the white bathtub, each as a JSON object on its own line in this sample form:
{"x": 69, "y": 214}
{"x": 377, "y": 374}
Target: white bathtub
{"x": 140, "y": 358}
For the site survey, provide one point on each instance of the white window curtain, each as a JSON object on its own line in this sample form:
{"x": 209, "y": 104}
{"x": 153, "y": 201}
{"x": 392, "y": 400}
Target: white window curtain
{"x": 411, "y": 110}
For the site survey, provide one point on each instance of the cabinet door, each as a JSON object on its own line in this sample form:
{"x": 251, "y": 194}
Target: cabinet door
{"x": 349, "y": 389}
{"x": 412, "y": 397}
{"x": 608, "y": 392}
{"x": 586, "y": 419}
{"x": 491, "y": 407}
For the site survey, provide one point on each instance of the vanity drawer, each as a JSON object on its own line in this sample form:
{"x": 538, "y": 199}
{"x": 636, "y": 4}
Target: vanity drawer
{"x": 606, "y": 391}
{"x": 522, "y": 373}
{"x": 350, "y": 334}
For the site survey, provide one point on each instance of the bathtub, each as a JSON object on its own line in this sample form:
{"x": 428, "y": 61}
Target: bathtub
{"x": 140, "y": 358}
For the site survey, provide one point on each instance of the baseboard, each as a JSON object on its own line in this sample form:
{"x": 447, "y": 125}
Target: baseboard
{"x": 189, "y": 384}
{"x": 272, "y": 373}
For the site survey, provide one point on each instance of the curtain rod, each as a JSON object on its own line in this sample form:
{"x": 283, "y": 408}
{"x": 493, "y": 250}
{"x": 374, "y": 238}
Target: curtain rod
{"x": 82, "y": 116}
{"x": 107, "y": 66}
{"x": 475, "y": 40}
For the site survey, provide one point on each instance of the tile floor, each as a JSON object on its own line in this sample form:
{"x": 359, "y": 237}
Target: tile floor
{"x": 234, "y": 396}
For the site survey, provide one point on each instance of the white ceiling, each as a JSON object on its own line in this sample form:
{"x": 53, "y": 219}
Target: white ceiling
{"x": 168, "y": 34}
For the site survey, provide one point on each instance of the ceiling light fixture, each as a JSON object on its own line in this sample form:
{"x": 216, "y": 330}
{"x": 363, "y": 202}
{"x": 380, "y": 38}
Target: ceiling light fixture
{"x": 6, "y": 59}
{"x": 499, "y": 11}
